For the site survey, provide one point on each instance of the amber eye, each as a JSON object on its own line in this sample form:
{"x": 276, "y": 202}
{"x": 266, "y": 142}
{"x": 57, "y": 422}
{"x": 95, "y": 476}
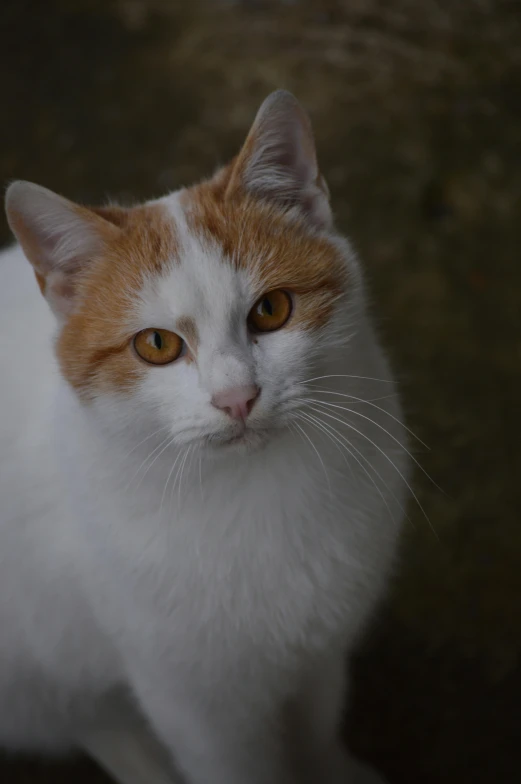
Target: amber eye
{"x": 271, "y": 311}
{"x": 158, "y": 346}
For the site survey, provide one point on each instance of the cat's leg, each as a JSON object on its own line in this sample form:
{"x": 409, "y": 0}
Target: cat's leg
{"x": 29, "y": 718}
{"x": 130, "y": 754}
{"x": 123, "y": 744}
{"x": 316, "y": 724}
{"x": 222, "y": 738}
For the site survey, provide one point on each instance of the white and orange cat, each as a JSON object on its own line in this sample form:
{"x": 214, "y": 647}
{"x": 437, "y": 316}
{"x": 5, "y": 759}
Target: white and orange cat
{"x": 201, "y": 477}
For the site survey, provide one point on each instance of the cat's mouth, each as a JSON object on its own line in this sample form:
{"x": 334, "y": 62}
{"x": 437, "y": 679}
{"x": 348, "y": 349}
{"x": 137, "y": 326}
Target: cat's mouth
{"x": 245, "y": 440}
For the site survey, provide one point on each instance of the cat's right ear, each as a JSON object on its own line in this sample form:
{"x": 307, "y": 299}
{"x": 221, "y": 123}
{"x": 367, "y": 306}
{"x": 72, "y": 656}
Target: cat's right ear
{"x": 58, "y": 237}
{"x": 278, "y": 161}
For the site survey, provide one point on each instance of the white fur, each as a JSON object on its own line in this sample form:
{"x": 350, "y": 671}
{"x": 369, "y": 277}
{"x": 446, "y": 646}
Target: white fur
{"x": 222, "y": 587}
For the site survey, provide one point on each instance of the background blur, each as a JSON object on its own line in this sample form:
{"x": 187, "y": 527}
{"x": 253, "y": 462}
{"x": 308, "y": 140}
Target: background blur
{"x": 417, "y": 110}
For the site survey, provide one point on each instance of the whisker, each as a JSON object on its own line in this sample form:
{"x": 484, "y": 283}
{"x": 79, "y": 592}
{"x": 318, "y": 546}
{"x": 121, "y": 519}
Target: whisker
{"x": 315, "y": 420}
{"x": 193, "y": 453}
{"x": 181, "y": 471}
{"x": 174, "y": 484}
{"x": 181, "y": 465}
{"x": 344, "y": 375}
{"x": 362, "y": 400}
{"x": 150, "y": 435}
{"x": 168, "y": 441}
{"x": 201, "y": 474}
{"x": 379, "y": 408}
{"x": 168, "y": 481}
{"x": 407, "y": 484}
{"x": 317, "y": 454}
{"x": 396, "y": 440}
{"x": 348, "y": 446}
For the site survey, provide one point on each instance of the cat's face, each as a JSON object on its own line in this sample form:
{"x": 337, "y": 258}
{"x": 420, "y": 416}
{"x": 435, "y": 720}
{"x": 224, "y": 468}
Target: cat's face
{"x": 206, "y": 319}
{"x": 202, "y": 313}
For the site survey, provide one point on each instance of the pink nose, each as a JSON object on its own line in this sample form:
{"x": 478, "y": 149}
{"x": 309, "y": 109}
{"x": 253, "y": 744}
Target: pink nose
{"x": 237, "y": 402}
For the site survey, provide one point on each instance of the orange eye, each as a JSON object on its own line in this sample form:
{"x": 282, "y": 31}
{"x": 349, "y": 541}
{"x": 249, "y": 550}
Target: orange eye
{"x": 271, "y": 311}
{"x": 158, "y": 346}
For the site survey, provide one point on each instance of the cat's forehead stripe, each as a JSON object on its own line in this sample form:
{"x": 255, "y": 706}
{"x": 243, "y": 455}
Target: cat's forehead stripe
{"x": 187, "y": 327}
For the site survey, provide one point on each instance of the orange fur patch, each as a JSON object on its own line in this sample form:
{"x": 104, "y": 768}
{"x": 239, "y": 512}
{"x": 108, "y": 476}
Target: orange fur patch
{"x": 40, "y": 279}
{"x": 94, "y": 348}
{"x": 187, "y": 327}
{"x": 276, "y": 248}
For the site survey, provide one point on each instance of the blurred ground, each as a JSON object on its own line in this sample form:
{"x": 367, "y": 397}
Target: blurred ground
{"x": 417, "y": 111}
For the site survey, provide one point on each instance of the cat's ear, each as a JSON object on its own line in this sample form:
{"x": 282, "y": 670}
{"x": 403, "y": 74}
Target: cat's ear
{"x": 58, "y": 237}
{"x": 278, "y": 161}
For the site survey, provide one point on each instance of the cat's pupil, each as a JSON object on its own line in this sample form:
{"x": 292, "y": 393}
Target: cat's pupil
{"x": 158, "y": 343}
{"x": 268, "y": 307}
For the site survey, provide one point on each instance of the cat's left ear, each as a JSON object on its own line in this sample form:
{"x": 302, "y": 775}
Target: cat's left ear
{"x": 278, "y": 161}
{"x": 58, "y": 237}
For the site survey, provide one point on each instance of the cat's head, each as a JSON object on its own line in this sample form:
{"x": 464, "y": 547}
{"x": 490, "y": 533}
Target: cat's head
{"x": 204, "y": 311}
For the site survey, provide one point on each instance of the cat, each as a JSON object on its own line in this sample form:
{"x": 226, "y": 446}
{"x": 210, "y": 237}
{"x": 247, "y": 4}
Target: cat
{"x": 198, "y": 507}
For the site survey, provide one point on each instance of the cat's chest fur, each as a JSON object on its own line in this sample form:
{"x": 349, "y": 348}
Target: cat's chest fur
{"x": 272, "y": 550}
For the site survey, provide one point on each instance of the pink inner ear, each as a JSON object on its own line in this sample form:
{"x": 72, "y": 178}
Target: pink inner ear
{"x": 62, "y": 285}
{"x": 58, "y": 237}
{"x": 278, "y": 161}
{"x": 60, "y": 292}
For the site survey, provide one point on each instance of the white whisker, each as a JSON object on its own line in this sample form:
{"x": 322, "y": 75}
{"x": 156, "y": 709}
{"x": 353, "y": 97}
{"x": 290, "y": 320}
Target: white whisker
{"x": 348, "y": 446}
{"x": 315, "y": 420}
{"x": 181, "y": 471}
{"x": 168, "y": 481}
{"x": 200, "y": 474}
{"x": 317, "y": 454}
{"x": 150, "y": 435}
{"x": 344, "y": 375}
{"x": 371, "y": 403}
{"x": 168, "y": 441}
{"x": 386, "y": 456}
{"x": 376, "y": 424}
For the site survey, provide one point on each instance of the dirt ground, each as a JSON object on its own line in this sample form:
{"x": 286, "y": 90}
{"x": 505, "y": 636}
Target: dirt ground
{"x": 417, "y": 111}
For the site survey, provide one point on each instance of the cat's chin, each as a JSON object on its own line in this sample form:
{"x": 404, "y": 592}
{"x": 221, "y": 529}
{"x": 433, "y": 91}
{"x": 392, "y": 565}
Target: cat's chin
{"x": 242, "y": 443}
